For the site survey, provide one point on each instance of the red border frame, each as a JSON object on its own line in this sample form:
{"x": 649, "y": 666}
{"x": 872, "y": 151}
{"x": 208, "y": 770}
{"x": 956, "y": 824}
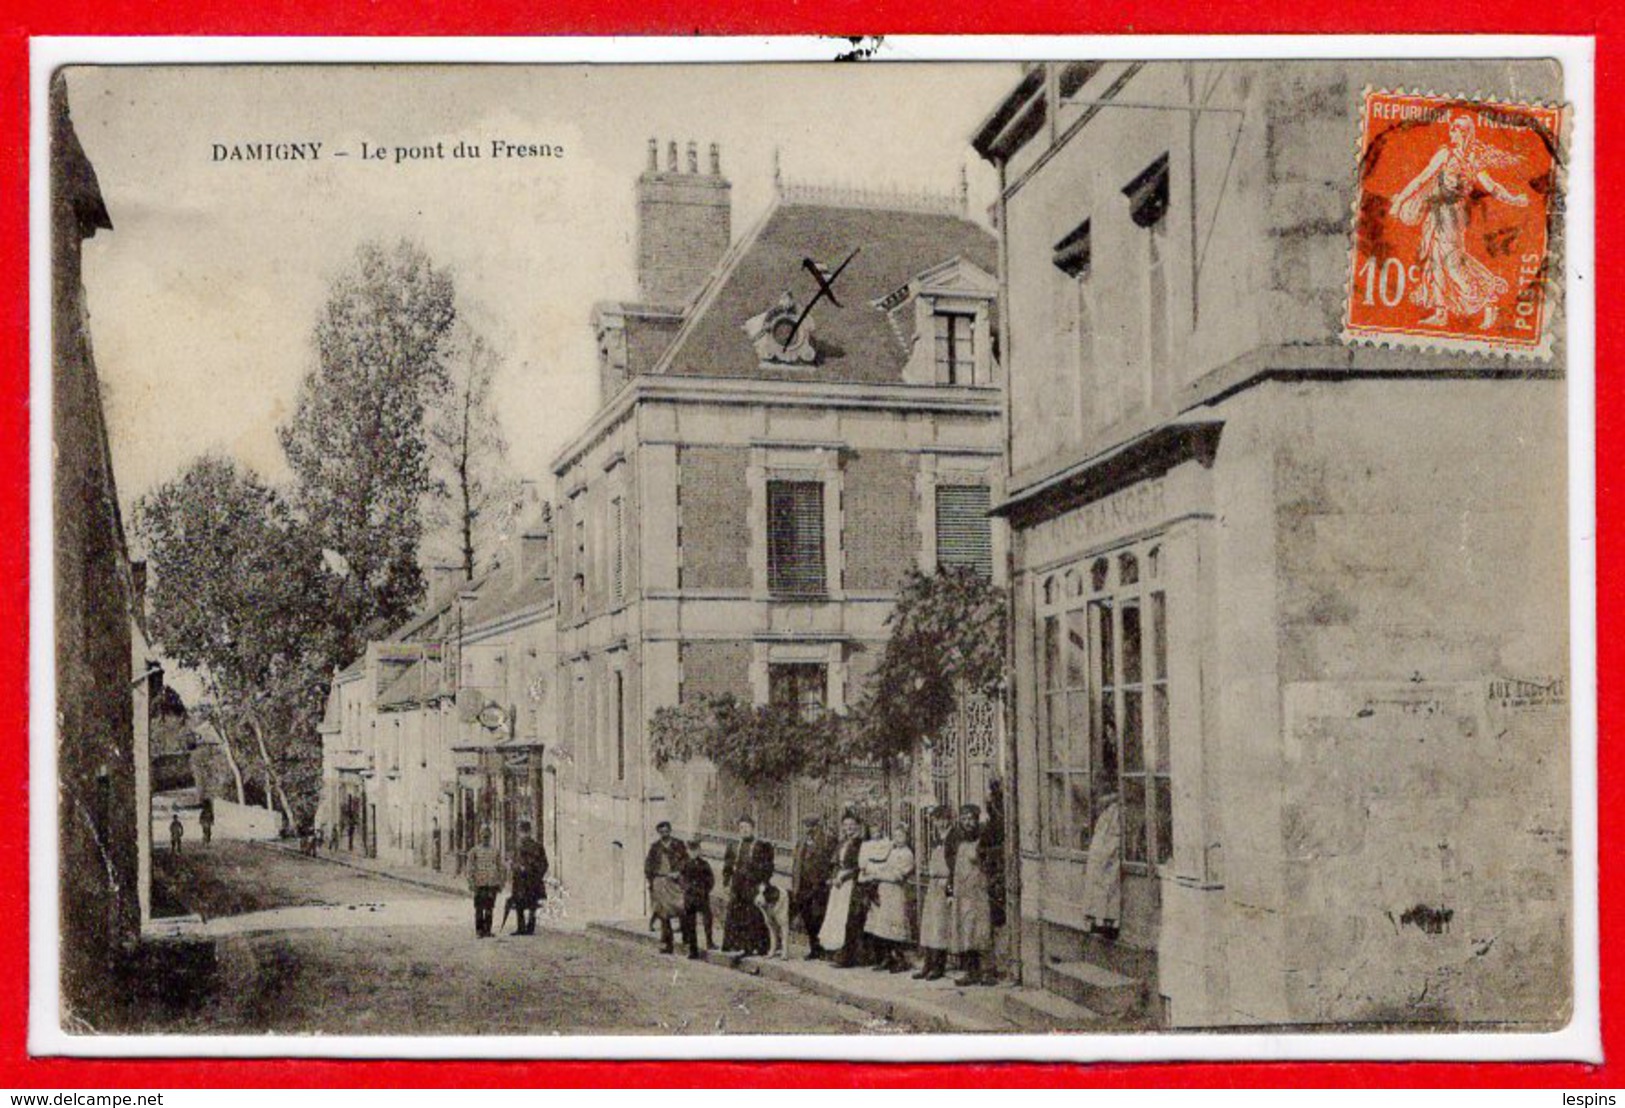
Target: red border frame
{"x": 21, "y": 18}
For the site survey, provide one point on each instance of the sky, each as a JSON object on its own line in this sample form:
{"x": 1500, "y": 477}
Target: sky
{"x": 203, "y": 296}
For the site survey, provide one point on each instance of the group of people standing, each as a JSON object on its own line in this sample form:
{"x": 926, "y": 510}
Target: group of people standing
{"x": 853, "y": 894}
{"x": 681, "y": 882}
{"x": 854, "y": 901}
{"x": 527, "y": 876}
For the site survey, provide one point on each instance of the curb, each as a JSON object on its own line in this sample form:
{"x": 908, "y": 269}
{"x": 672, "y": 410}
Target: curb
{"x": 917, "y": 1016}
{"x": 385, "y": 874}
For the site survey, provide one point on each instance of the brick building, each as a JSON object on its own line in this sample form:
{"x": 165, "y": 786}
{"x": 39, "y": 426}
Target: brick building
{"x": 737, "y": 516}
{"x": 1289, "y": 612}
{"x": 104, "y": 677}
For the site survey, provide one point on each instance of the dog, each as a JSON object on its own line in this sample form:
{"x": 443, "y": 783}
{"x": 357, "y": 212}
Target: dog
{"x": 768, "y": 904}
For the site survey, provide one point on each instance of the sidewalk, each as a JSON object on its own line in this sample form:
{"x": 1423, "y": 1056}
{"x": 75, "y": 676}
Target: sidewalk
{"x": 932, "y": 1006}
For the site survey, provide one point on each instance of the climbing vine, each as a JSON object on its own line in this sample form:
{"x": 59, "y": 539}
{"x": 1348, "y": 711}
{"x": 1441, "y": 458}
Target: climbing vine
{"x": 758, "y": 744}
{"x": 947, "y": 640}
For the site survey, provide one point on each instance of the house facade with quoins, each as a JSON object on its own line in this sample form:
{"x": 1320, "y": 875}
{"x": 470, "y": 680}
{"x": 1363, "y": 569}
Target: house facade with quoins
{"x": 739, "y": 513}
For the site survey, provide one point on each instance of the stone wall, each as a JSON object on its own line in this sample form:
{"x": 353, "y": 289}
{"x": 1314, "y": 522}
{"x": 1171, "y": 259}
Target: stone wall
{"x": 1425, "y": 807}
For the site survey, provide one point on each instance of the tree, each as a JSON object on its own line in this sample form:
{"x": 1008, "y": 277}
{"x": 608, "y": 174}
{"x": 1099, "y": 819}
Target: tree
{"x": 240, "y": 596}
{"x": 763, "y": 744}
{"x": 947, "y": 641}
{"x": 357, "y": 441}
{"x": 474, "y": 493}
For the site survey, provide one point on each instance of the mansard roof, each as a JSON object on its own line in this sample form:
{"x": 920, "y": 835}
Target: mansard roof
{"x": 856, "y": 342}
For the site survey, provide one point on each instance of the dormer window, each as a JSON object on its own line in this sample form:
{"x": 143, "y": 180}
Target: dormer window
{"x": 956, "y": 347}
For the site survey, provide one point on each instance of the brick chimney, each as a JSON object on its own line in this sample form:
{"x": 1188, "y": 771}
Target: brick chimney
{"x": 685, "y": 223}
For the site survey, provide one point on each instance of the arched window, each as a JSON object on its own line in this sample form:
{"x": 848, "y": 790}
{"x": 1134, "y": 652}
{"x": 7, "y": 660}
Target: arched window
{"x": 1128, "y": 570}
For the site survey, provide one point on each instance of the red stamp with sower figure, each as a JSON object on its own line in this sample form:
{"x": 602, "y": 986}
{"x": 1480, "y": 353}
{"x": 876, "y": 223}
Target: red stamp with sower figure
{"x": 1451, "y": 232}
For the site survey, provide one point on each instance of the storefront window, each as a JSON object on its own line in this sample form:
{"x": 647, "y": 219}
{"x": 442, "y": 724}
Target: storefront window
{"x": 1104, "y": 702}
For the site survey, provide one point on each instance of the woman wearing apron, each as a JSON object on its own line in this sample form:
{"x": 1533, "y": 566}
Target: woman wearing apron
{"x": 936, "y": 914}
{"x": 973, "y": 918}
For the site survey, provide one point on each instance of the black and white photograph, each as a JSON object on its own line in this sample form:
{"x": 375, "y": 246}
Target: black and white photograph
{"x": 1046, "y": 547}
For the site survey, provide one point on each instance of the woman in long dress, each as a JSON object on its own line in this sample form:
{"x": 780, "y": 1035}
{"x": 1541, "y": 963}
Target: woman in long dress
{"x": 842, "y": 933}
{"x": 888, "y": 869}
{"x": 973, "y": 917}
{"x": 1453, "y": 281}
{"x": 1102, "y": 879}
{"x": 936, "y": 914}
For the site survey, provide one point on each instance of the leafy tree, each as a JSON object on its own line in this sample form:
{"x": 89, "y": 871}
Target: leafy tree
{"x": 474, "y": 493}
{"x": 947, "y": 641}
{"x": 239, "y": 595}
{"x": 357, "y": 441}
{"x": 760, "y": 745}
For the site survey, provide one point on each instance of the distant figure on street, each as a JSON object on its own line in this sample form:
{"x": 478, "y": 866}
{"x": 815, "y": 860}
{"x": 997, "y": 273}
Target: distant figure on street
{"x": 176, "y": 830}
{"x": 936, "y": 914}
{"x": 886, "y": 867}
{"x": 969, "y": 889}
{"x": 333, "y": 840}
{"x": 663, "y": 870}
{"x": 529, "y": 879}
{"x": 810, "y": 871}
{"x": 843, "y": 919}
{"x": 698, "y": 880}
{"x": 205, "y": 819}
{"x": 349, "y": 832}
{"x": 747, "y": 869}
{"x": 485, "y": 878}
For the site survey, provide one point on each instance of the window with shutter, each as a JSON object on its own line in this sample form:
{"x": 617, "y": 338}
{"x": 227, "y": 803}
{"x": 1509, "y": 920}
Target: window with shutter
{"x": 964, "y": 531}
{"x": 795, "y": 538}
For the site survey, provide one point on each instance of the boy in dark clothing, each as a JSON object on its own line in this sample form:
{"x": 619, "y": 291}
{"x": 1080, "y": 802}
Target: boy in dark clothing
{"x": 697, "y": 879}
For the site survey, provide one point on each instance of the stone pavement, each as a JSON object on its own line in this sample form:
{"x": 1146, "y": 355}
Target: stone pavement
{"x": 932, "y": 1006}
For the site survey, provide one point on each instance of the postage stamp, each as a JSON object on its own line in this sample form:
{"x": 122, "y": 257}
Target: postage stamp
{"x": 1451, "y": 234}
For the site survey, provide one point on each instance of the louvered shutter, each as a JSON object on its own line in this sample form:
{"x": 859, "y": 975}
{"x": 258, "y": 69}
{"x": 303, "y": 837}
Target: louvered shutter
{"x": 795, "y": 538}
{"x": 964, "y": 531}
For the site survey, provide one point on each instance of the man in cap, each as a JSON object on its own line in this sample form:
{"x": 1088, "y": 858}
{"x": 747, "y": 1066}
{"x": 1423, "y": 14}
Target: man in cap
{"x": 663, "y": 869}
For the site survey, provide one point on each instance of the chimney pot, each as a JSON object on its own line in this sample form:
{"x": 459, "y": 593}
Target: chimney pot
{"x": 654, "y": 155}
{"x": 684, "y": 227}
